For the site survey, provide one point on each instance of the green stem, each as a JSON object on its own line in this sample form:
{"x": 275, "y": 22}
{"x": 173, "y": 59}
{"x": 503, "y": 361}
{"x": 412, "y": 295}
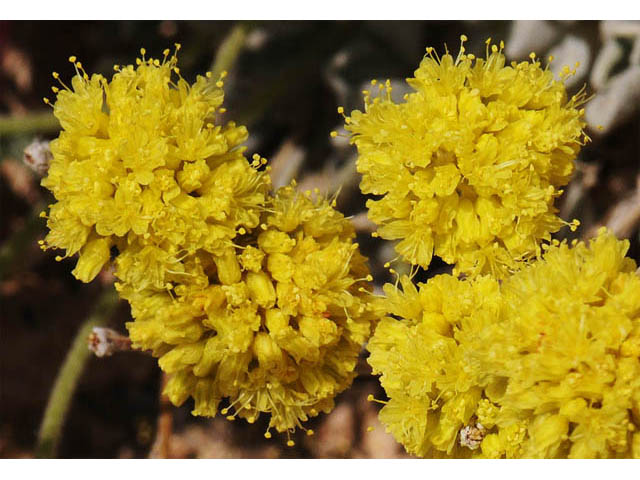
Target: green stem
{"x": 31, "y": 123}
{"x": 229, "y": 50}
{"x": 65, "y": 384}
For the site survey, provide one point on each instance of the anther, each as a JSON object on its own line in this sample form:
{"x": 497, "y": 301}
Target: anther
{"x": 463, "y": 38}
{"x": 72, "y": 59}
{"x": 341, "y": 109}
{"x": 333, "y": 134}
{"x": 290, "y": 443}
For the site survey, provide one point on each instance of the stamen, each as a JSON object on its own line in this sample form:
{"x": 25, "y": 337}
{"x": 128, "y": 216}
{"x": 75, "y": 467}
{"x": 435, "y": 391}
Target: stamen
{"x": 370, "y": 398}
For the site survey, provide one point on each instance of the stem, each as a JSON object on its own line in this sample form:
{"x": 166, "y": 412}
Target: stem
{"x": 65, "y": 385}
{"x": 30, "y": 123}
{"x": 229, "y": 50}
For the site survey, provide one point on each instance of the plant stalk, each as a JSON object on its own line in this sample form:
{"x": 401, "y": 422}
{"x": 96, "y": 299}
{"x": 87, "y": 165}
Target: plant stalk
{"x": 68, "y": 376}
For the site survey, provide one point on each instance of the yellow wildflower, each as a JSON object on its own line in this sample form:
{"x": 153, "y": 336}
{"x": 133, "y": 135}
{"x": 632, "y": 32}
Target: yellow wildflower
{"x": 469, "y": 164}
{"x": 426, "y": 360}
{"x": 141, "y": 165}
{"x": 568, "y": 351}
{"x": 545, "y": 364}
{"x": 275, "y": 324}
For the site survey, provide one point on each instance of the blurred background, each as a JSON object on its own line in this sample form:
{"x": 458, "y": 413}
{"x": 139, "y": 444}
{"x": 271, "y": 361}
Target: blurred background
{"x": 285, "y": 81}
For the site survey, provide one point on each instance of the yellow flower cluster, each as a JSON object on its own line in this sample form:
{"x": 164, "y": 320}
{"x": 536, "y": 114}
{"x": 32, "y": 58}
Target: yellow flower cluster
{"x": 469, "y": 164}
{"x": 141, "y": 165}
{"x": 244, "y": 294}
{"x": 545, "y": 364}
{"x": 276, "y": 325}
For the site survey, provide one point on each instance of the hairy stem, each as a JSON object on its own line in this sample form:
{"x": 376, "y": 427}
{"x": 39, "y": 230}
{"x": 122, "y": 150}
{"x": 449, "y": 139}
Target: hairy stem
{"x": 67, "y": 380}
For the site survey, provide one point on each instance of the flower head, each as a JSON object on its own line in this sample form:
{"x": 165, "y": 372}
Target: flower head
{"x": 469, "y": 164}
{"x": 424, "y": 360}
{"x": 275, "y": 324}
{"x": 142, "y": 165}
{"x": 545, "y": 364}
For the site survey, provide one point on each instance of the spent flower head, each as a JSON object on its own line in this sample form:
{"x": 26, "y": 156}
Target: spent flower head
{"x": 468, "y": 165}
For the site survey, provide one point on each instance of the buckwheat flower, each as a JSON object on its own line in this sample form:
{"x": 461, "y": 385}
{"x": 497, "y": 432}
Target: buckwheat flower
{"x": 426, "y": 360}
{"x": 275, "y": 324}
{"x": 545, "y": 364}
{"x": 468, "y": 166}
{"x": 142, "y": 165}
{"x": 567, "y": 354}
